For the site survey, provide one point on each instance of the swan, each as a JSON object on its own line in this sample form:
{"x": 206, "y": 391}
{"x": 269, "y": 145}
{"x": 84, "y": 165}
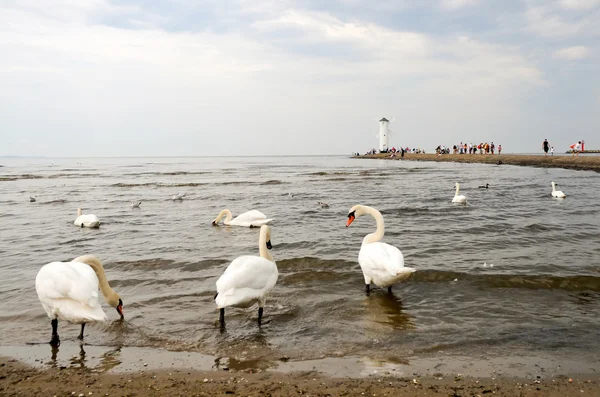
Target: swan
{"x": 487, "y": 186}
{"x": 459, "y": 198}
{"x": 69, "y": 291}
{"x": 178, "y": 197}
{"x": 252, "y": 218}
{"x": 89, "y": 220}
{"x": 380, "y": 262}
{"x": 136, "y": 205}
{"x": 248, "y": 279}
{"x": 557, "y": 193}
{"x": 323, "y": 204}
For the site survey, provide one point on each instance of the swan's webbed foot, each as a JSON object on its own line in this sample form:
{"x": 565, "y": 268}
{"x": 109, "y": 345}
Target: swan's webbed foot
{"x": 222, "y": 318}
{"x": 80, "y": 337}
{"x": 367, "y": 289}
{"x": 260, "y": 314}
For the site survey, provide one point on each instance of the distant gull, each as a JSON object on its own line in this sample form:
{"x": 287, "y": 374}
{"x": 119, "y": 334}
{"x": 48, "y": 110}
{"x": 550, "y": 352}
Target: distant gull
{"x": 32, "y": 199}
{"x": 178, "y": 197}
{"x": 486, "y": 265}
{"x": 290, "y": 195}
{"x": 136, "y": 205}
{"x": 323, "y": 204}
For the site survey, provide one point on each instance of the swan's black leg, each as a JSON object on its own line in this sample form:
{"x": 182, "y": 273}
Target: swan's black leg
{"x": 367, "y": 288}
{"x": 80, "y": 337}
{"x": 222, "y": 318}
{"x": 55, "y": 341}
{"x": 260, "y": 313}
{"x": 390, "y": 289}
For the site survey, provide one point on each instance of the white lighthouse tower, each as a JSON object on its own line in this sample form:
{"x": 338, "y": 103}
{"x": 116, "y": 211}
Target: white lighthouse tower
{"x": 384, "y": 135}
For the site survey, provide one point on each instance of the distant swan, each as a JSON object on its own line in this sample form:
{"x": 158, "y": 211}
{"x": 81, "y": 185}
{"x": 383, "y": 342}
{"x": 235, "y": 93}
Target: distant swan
{"x": 252, "y": 218}
{"x": 69, "y": 291}
{"x": 178, "y": 196}
{"x": 89, "y": 220}
{"x": 380, "y": 262}
{"x": 557, "y": 193}
{"x": 459, "y": 198}
{"x": 487, "y": 185}
{"x": 136, "y": 205}
{"x": 248, "y": 279}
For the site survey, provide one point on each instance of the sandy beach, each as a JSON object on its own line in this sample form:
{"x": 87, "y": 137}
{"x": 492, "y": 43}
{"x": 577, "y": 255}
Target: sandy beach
{"x": 19, "y": 379}
{"x": 581, "y": 162}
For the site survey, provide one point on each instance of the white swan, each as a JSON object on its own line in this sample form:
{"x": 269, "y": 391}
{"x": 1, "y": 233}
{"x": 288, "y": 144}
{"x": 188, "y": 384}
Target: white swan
{"x": 136, "y": 205}
{"x": 248, "y": 279}
{"x": 380, "y": 262}
{"x": 557, "y": 193}
{"x": 89, "y": 220}
{"x": 252, "y": 218}
{"x": 459, "y": 198}
{"x": 69, "y": 291}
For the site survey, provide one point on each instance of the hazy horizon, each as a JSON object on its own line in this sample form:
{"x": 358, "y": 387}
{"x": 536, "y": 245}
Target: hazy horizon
{"x": 97, "y": 78}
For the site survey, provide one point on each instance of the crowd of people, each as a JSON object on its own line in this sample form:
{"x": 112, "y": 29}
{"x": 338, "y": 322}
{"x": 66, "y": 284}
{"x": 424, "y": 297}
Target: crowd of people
{"x": 469, "y": 148}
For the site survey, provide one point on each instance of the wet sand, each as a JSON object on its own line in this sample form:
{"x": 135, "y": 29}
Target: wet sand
{"x": 581, "y": 162}
{"x": 113, "y": 371}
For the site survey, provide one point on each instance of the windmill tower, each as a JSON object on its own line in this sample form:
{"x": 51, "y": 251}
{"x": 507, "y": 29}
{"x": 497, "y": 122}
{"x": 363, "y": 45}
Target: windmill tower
{"x": 384, "y": 135}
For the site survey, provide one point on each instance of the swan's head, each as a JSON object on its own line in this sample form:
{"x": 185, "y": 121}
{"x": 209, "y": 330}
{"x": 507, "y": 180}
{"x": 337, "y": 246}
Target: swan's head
{"x": 456, "y": 185}
{"x": 116, "y": 302}
{"x": 266, "y": 230}
{"x": 354, "y": 213}
{"x": 223, "y": 213}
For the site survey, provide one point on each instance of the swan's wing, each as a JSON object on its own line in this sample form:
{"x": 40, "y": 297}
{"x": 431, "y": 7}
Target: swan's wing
{"x": 381, "y": 257}
{"x": 252, "y": 272}
{"x": 250, "y": 216}
{"x": 69, "y": 290}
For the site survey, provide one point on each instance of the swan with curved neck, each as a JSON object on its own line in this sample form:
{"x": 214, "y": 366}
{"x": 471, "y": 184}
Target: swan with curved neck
{"x": 251, "y": 218}
{"x": 459, "y": 198}
{"x": 381, "y": 263}
{"x": 88, "y": 220}
{"x": 248, "y": 279}
{"x": 557, "y": 193}
{"x": 69, "y": 291}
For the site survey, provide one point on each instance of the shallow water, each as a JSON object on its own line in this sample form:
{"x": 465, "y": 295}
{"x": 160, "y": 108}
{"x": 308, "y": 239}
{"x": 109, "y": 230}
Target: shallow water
{"x": 540, "y": 296}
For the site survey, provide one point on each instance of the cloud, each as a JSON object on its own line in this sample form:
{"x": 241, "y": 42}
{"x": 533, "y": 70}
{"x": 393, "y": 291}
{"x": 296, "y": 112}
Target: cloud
{"x": 579, "y": 4}
{"x": 456, "y": 4}
{"x": 572, "y": 53}
{"x": 549, "y": 19}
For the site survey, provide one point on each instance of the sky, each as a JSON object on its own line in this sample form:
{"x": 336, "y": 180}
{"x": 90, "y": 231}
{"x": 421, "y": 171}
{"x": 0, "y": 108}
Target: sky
{"x": 281, "y": 77}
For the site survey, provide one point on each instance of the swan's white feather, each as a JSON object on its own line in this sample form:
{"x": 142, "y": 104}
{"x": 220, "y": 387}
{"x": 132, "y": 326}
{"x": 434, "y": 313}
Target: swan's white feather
{"x": 250, "y": 218}
{"x": 88, "y": 220}
{"x": 247, "y": 280}
{"x": 383, "y": 263}
{"x": 69, "y": 291}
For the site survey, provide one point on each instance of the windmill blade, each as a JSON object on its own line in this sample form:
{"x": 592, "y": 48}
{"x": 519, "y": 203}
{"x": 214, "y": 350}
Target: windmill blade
{"x": 393, "y": 119}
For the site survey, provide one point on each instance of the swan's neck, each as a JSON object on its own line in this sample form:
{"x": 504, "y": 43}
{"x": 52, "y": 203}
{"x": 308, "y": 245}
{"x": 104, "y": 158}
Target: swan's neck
{"x": 110, "y": 296}
{"x": 553, "y": 187}
{"x": 78, "y": 211}
{"x": 227, "y": 214}
{"x": 262, "y": 245}
{"x": 457, "y": 189}
{"x": 378, "y": 234}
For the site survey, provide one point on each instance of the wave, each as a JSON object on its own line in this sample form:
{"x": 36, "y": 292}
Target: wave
{"x": 59, "y": 201}
{"x": 171, "y": 173}
{"x": 158, "y": 184}
{"x": 274, "y": 182}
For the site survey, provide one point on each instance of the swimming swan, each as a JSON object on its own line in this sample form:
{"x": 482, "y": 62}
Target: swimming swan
{"x": 248, "y": 279}
{"x": 69, "y": 291}
{"x": 89, "y": 220}
{"x": 557, "y": 193}
{"x": 459, "y": 198}
{"x": 252, "y": 218}
{"x": 380, "y": 262}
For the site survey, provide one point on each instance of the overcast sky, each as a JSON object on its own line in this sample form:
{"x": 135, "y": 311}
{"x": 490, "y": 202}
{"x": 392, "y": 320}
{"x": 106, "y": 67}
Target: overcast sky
{"x": 255, "y": 77}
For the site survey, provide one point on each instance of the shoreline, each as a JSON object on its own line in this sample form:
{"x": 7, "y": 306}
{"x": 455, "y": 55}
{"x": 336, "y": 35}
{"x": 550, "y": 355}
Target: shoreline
{"x": 83, "y": 370}
{"x": 582, "y": 163}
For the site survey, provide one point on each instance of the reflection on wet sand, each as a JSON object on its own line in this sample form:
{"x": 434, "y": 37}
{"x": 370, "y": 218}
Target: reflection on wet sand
{"x": 107, "y": 360}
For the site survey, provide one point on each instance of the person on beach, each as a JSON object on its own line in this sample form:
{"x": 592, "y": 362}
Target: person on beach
{"x": 577, "y": 149}
{"x": 492, "y": 147}
{"x": 499, "y": 149}
{"x": 545, "y": 146}
{"x": 552, "y": 151}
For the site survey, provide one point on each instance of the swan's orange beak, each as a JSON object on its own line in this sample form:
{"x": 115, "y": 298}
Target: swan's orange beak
{"x": 120, "y": 310}
{"x": 350, "y": 219}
